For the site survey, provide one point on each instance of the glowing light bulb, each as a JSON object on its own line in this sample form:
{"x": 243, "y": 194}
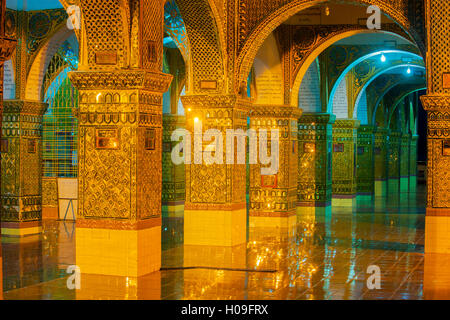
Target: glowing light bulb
{"x": 383, "y": 58}
{"x": 195, "y": 120}
{"x": 408, "y": 71}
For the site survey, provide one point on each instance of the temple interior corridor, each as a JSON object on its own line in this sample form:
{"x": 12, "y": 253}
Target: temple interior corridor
{"x": 219, "y": 149}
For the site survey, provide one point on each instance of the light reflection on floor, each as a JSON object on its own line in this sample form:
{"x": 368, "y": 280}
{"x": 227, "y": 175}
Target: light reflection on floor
{"x": 324, "y": 257}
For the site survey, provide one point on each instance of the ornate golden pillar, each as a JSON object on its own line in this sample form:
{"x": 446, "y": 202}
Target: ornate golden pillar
{"x": 215, "y": 208}
{"x": 6, "y": 49}
{"x": 173, "y": 175}
{"x": 273, "y": 198}
{"x": 437, "y": 105}
{"x": 315, "y": 160}
{"x": 404, "y": 162}
{"x": 21, "y": 167}
{"x": 345, "y": 137}
{"x": 120, "y": 171}
{"x": 121, "y": 87}
{"x": 365, "y": 160}
{"x": 380, "y": 161}
{"x": 394, "y": 143}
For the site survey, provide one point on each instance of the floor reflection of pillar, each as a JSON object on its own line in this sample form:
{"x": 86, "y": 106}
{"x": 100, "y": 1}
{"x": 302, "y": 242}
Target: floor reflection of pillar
{"x": 102, "y": 287}
{"x": 278, "y": 227}
{"x": 214, "y": 272}
{"x": 436, "y": 278}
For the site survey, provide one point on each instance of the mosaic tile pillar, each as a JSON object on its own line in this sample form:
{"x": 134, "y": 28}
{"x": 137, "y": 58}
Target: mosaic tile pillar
{"x": 365, "y": 171}
{"x": 437, "y": 105}
{"x": 315, "y": 160}
{"x": 273, "y": 198}
{"x": 437, "y": 223}
{"x": 50, "y": 208}
{"x": 7, "y": 47}
{"x": 173, "y": 185}
{"x": 120, "y": 171}
{"x": 345, "y": 135}
{"x": 404, "y": 162}
{"x": 413, "y": 163}
{"x": 215, "y": 208}
{"x": 394, "y": 143}
{"x": 21, "y": 155}
{"x": 380, "y": 161}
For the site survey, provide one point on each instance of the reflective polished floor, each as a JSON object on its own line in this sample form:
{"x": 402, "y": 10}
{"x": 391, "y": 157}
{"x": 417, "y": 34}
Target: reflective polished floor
{"x": 324, "y": 256}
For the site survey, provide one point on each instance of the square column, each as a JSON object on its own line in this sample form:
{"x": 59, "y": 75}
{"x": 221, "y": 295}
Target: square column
{"x": 413, "y": 163}
{"x": 380, "y": 161}
{"x": 21, "y": 154}
{"x": 273, "y": 198}
{"x": 345, "y": 135}
{"x": 315, "y": 146}
{"x": 215, "y": 208}
{"x": 437, "y": 223}
{"x": 394, "y": 143}
{"x": 120, "y": 171}
{"x": 173, "y": 187}
{"x": 365, "y": 160}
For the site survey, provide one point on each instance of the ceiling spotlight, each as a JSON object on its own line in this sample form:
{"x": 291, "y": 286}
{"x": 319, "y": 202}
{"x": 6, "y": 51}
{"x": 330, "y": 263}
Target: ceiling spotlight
{"x": 383, "y": 58}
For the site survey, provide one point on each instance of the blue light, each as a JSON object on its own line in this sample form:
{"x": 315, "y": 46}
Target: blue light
{"x": 408, "y": 71}
{"x": 383, "y": 58}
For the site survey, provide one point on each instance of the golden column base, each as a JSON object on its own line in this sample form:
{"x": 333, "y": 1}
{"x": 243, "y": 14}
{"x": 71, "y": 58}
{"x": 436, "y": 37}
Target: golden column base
{"x": 215, "y": 225}
{"x": 118, "y": 249}
{"x": 21, "y": 229}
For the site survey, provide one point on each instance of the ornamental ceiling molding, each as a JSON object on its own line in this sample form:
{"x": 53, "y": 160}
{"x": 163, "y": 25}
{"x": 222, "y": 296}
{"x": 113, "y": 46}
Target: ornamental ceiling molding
{"x": 120, "y": 80}
{"x": 24, "y": 107}
{"x": 346, "y": 124}
{"x": 276, "y": 111}
{"x": 322, "y": 118}
{"x": 432, "y": 102}
{"x": 212, "y": 102}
